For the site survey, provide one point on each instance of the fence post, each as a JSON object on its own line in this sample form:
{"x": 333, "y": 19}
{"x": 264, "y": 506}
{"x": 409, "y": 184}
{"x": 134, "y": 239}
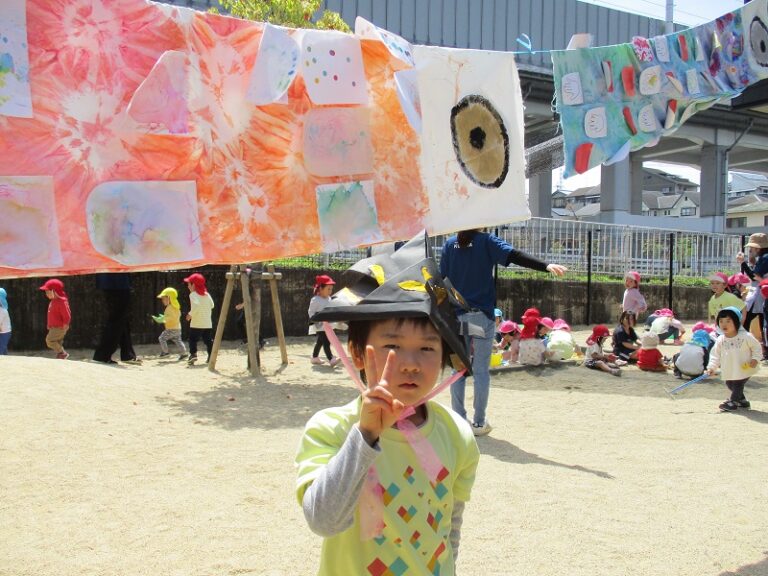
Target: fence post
{"x": 671, "y": 268}
{"x": 589, "y": 278}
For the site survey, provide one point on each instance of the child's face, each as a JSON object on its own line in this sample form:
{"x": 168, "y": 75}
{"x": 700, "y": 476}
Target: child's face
{"x": 727, "y": 326}
{"x": 543, "y": 330}
{"x": 325, "y": 291}
{"x": 417, "y": 359}
{"x": 629, "y": 283}
{"x": 165, "y": 300}
{"x": 717, "y": 287}
{"x": 50, "y": 294}
{"x": 190, "y": 287}
{"x": 629, "y": 321}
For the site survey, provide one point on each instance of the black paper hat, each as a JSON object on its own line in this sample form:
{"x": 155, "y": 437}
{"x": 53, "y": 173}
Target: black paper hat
{"x": 406, "y": 283}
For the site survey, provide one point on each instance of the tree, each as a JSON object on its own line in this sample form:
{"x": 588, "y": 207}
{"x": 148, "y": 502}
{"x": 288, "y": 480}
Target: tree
{"x": 291, "y": 13}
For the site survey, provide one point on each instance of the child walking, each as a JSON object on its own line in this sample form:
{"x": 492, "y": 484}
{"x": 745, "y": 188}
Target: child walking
{"x": 321, "y": 298}
{"x": 59, "y": 316}
{"x": 633, "y": 301}
{"x": 384, "y": 479}
{"x": 199, "y": 316}
{"x": 596, "y": 359}
{"x": 736, "y": 353}
{"x": 171, "y": 318}
{"x": 5, "y": 323}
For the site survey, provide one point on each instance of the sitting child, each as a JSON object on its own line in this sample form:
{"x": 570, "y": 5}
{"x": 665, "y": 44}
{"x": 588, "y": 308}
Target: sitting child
{"x": 510, "y": 341}
{"x": 532, "y": 347}
{"x": 625, "y": 343}
{"x": 561, "y": 344}
{"x": 649, "y": 357}
{"x": 665, "y": 325}
{"x": 596, "y": 359}
{"x": 693, "y": 357}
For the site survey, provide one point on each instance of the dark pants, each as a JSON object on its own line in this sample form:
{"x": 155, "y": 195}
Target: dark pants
{"x": 117, "y": 330}
{"x": 196, "y": 334}
{"x": 737, "y": 389}
{"x": 748, "y": 317}
{"x": 324, "y": 343}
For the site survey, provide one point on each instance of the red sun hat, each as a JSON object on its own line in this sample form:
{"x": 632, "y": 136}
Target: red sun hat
{"x": 561, "y": 324}
{"x": 738, "y": 278}
{"x": 54, "y": 284}
{"x": 323, "y": 280}
{"x": 599, "y": 331}
{"x": 764, "y": 288}
{"x": 198, "y": 281}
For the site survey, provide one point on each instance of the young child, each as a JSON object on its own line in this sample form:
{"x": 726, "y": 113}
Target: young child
{"x": 199, "y": 316}
{"x": 510, "y": 341}
{"x": 664, "y": 324}
{"x": 693, "y": 357}
{"x": 736, "y": 353}
{"x": 171, "y": 318}
{"x": 561, "y": 344}
{"x": 596, "y": 359}
{"x": 498, "y": 318}
{"x": 321, "y": 298}
{"x": 532, "y": 347}
{"x": 625, "y": 343}
{"x": 633, "y": 301}
{"x": 720, "y": 298}
{"x": 59, "y": 316}
{"x": 5, "y": 323}
{"x": 379, "y": 504}
{"x": 738, "y": 285}
{"x": 649, "y": 357}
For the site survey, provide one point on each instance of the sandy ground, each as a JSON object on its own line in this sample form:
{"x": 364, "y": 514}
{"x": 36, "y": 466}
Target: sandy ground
{"x": 164, "y": 469}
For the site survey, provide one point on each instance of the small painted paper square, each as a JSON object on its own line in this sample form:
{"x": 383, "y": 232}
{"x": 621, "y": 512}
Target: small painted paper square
{"x": 399, "y": 47}
{"x": 337, "y": 141}
{"x": 347, "y": 214}
{"x": 692, "y": 80}
{"x": 332, "y": 65}
{"x": 408, "y": 95}
{"x": 139, "y": 223}
{"x": 572, "y": 91}
{"x": 15, "y": 94}
{"x": 662, "y": 48}
{"x": 275, "y": 68}
{"x": 29, "y": 233}
{"x": 162, "y": 97}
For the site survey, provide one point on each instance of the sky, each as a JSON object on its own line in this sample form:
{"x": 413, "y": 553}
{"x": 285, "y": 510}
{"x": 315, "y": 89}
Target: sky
{"x": 686, "y": 12}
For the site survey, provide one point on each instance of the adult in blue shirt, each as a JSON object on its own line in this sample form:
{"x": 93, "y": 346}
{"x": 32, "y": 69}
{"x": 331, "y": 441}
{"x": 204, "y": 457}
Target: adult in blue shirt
{"x": 468, "y": 260}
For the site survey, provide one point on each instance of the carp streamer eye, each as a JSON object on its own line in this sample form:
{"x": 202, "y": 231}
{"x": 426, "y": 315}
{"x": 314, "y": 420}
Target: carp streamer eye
{"x": 480, "y": 141}
{"x": 758, "y": 39}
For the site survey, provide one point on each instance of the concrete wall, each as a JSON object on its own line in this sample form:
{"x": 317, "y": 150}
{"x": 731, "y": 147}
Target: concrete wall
{"x": 566, "y": 300}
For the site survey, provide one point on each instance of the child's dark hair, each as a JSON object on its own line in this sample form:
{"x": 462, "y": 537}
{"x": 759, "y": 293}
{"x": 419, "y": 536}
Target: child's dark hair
{"x": 626, "y": 315}
{"x": 359, "y": 330}
{"x": 725, "y": 313}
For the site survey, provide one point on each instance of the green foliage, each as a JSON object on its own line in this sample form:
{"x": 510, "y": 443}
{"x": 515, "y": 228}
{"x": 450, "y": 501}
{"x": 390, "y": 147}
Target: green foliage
{"x": 291, "y": 13}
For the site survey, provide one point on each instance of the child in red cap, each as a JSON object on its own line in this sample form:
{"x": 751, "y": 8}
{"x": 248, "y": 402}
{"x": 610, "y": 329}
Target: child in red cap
{"x": 596, "y": 359}
{"x": 59, "y": 316}
{"x": 321, "y": 298}
{"x": 199, "y": 316}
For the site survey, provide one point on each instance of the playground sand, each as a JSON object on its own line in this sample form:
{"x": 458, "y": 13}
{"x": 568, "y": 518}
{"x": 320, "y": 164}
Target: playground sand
{"x": 164, "y": 469}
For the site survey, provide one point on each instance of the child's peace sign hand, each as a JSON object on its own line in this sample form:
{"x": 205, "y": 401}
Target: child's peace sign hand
{"x": 380, "y": 409}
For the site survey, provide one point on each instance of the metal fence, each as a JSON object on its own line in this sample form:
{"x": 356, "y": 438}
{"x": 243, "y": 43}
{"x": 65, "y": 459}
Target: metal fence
{"x": 600, "y": 249}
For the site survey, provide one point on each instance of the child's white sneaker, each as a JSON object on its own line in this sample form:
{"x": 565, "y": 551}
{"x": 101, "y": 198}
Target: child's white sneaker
{"x": 316, "y": 360}
{"x": 334, "y": 361}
